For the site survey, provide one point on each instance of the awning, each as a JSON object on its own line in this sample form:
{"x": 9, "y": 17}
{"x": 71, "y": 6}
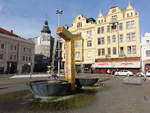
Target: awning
{"x": 116, "y": 65}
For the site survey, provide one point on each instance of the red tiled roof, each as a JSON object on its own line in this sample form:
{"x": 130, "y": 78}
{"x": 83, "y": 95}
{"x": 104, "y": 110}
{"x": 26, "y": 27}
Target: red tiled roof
{"x": 3, "y": 31}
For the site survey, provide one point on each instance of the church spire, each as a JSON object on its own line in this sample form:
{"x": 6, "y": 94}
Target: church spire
{"x": 45, "y": 28}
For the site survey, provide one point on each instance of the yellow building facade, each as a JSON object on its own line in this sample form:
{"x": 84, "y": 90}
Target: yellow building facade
{"x": 108, "y": 41}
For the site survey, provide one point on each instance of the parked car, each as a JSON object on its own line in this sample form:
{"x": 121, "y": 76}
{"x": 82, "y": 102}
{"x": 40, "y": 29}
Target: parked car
{"x": 148, "y": 73}
{"x": 140, "y": 74}
{"x": 124, "y": 73}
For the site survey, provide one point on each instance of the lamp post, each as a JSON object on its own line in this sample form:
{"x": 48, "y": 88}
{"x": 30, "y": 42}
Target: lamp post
{"x": 30, "y": 64}
{"x": 59, "y": 13}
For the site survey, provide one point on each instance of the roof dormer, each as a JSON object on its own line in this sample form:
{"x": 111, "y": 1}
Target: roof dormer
{"x": 100, "y": 15}
{"x": 100, "y": 18}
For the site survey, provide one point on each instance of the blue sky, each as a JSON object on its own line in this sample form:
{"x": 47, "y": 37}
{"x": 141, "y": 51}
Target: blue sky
{"x": 26, "y": 17}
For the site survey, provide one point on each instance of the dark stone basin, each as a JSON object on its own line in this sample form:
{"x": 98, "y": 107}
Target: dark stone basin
{"x": 45, "y": 88}
{"x": 85, "y": 81}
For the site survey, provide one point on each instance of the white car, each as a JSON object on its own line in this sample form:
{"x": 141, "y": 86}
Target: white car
{"x": 124, "y": 73}
{"x": 148, "y": 73}
{"x": 140, "y": 74}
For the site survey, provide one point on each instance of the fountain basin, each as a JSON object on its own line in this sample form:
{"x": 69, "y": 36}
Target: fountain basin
{"x": 46, "y": 88}
{"x": 86, "y": 81}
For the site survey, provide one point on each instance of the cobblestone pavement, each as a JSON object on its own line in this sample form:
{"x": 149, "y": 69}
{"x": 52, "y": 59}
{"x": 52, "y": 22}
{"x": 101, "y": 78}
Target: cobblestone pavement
{"x": 116, "y": 98}
{"x": 120, "y": 98}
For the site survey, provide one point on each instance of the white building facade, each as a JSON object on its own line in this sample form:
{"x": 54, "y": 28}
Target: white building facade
{"x": 145, "y": 52}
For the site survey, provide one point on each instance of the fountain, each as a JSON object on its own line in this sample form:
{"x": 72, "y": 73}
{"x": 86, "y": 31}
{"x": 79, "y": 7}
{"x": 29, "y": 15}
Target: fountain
{"x": 46, "y": 88}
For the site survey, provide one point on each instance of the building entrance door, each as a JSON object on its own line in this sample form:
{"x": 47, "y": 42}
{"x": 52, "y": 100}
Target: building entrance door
{"x": 11, "y": 67}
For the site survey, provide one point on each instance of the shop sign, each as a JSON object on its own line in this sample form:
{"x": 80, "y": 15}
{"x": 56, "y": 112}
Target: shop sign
{"x": 116, "y": 65}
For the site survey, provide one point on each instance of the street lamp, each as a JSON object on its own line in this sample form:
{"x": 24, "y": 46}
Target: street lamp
{"x": 59, "y": 13}
{"x": 30, "y": 64}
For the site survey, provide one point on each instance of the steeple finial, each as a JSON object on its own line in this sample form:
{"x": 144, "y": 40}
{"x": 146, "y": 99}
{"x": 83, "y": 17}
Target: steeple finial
{"x": 129, "y": 2}
{"x": 45, "y": 28}
{"x": 129, "y": 5}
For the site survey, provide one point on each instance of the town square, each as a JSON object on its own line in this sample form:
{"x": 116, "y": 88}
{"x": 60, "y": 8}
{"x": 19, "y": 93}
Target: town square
{"x": 74, "y": 56}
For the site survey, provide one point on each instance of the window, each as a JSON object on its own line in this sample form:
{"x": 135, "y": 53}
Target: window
{"x": 23, "y": 58}
{"x": 100, "y": 30}
{"x": 26, "y": 58}
{"x": 15, "y": 47}
{"x": 147, "y": 53}
{"x": 89, "y": 54}
{"x": 79, "y": 24}
{"x": 80, "y": 33}
{"x": 89, "y": 43}
{"x": 2, "y": 46}
{"x": 131, "y": 37}
{"x": 147, "y": 41}
{"x": 101, "y": 52}
{"x": 77, "y": 44}
{"x": 11, "y": 57}
{"x": 30, "y": 50}
{"x": 29, "y": 58}
{"x": 11, "y": 47}
{"x": 114, "y": 51}
{"x": 89, "y": 33}
{"x": 114, "y": 27}
{"x": 121, "y": 38}
{"x": 114, "y": 38}
{"x": 1, "y": 56}
{"x": 130, "y": 24}
{"x": 14, "y": 57}
{"x": 24, "y": 49}
{"x": 121, "y": 51}
{"x": 120, "y": 26}
{"x": 101, "y": 41}
{"x": 108, "y": 40}
{"x": 131, "y": 49}
{"x": 108, "y": 28}
{"x": 131, "y": 14}
{"x": 109, "y": 51}
{"x": 77, "y": 54}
